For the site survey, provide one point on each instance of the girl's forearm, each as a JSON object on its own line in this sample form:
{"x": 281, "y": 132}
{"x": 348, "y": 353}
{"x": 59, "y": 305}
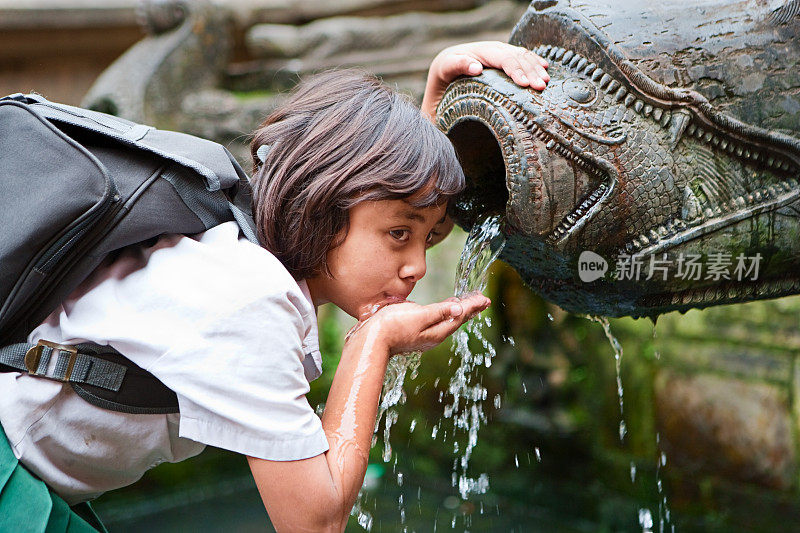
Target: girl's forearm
{"x": 350, "y": 411}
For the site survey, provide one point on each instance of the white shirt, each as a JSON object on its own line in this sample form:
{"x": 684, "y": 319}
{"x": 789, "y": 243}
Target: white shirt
{"x": 217, "y": 319}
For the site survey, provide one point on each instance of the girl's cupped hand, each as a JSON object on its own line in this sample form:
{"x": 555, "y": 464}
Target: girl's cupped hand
{"x": 469, "y": 59}
{"x": 409, "y": 327}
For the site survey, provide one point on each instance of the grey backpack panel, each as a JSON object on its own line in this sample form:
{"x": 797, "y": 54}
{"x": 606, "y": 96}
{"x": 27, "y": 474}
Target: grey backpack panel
{"x": 77, "y": 185}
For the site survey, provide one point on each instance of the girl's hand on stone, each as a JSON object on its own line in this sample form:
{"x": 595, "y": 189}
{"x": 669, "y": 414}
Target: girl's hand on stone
{"x": 520, "y": 64}
{"x": 409, "y": 327}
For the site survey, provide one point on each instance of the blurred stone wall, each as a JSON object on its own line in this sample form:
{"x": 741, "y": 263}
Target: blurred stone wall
{"x": 58, "y": 48}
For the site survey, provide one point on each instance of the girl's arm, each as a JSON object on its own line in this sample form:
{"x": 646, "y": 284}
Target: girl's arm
{"x": 523, "y": 66}
{"x": 317, "y": 494}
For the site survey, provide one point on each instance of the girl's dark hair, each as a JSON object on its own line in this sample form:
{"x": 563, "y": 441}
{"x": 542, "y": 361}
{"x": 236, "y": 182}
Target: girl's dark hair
{"x": 342, "y": 138}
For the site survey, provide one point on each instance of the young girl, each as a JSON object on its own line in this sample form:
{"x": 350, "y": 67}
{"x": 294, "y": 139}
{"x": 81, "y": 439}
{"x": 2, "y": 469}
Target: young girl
{"x": 351, "y": 184}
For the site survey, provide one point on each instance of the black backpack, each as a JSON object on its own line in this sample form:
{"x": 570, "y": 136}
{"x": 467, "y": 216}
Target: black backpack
{"x": 75, "y": 186}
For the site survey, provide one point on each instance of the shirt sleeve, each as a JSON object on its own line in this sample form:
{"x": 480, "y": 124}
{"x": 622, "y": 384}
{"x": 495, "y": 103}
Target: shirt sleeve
{"x": 241, "y": 383}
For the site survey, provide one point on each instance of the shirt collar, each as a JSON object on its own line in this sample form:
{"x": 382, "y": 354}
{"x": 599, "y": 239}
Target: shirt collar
{"x": 312, "y": 364}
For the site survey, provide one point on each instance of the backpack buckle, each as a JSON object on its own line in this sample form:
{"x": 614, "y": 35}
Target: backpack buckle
{"x": 33, "y": 359}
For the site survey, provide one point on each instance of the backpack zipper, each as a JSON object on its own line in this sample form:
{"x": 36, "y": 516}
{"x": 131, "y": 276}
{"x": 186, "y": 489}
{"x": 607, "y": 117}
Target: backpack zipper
{"x": 45, "y": 263}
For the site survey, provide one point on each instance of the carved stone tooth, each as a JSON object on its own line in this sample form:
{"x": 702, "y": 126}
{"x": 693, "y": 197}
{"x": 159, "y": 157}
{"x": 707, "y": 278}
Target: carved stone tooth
{"x": 638, "y": 106}
{"x": 630, "y": 99}
{"x": 647, "y": 110}
{"x": 699, "y": 133}
{"x": 691, "y": 129}
{"x": 785, "y": 165}
{"x": 567, "y": 56}
{"x": 750, "y": 198}
{"x": 643, "y": 240}
{"x": 588, "y": 69}
{"x": 621, "y": 92}
{"x": 581, "y": 64}
{"x": 550, "y": 144}
{"x": 571, "y": 218}
{"x": 653, "y": 236}
{"x": 758, "y": 196}
{"x": 717, "y": 210}
{"x": 723, "y": 144}
{"x": 739, "y": 150}
{"x": 748, "y": 154}
{"x": 597, "y": 74}
{"x": 731, "y": 148}
{"x": 773, "y": 190}
{"x": 575, "y": 60}
{"x": 559, "y": 53}
{"x": 756, "y": 156}
{"x": 708, "y": 136}
{"x": 657, "y": 112}
{"x": 691, "y": 205}
{"x": 666, "y": 119}
{"x": 612, "y": 86}
{"x": 740, "y": 203}
{"x": 770, "y": 161}
{"x": 715, "y": 140}
{"x": 605, "y": 80}
{"x": 678, "y": 123}
{"x": 708, "y": 212}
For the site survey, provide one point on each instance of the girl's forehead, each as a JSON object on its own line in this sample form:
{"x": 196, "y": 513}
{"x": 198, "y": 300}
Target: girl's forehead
{"x": 400, "y": 211}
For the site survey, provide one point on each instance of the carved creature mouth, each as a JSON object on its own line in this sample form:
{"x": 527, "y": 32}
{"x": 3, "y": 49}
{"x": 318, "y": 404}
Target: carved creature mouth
{"x": 519, "y": 165}
{"x": 590, "y": 185}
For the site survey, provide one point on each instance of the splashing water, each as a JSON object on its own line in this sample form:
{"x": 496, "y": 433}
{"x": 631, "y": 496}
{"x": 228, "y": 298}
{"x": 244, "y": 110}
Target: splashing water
{"x": 392, "y": 395}
{"x": 484, "y": 244}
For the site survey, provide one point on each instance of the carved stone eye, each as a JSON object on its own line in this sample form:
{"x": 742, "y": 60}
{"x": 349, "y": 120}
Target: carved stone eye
{"x": 579, "y": 90}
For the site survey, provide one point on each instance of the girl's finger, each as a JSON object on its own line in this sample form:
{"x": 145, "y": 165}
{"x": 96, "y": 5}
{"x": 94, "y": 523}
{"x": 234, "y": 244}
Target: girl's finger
{"x": 534, "y": 70}
{"x": 441, "y": 330}
{"x": 516, "y": 71}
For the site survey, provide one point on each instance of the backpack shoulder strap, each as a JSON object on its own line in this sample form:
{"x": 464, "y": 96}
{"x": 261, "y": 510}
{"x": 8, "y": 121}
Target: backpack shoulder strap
{"x": 99, "y": 374}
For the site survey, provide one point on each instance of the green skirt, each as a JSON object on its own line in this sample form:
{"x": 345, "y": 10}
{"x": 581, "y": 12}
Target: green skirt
{"x": 27, "y": 504}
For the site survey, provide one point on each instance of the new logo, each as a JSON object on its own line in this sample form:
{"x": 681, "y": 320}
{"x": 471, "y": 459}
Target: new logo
{"x": 591, "y": 266}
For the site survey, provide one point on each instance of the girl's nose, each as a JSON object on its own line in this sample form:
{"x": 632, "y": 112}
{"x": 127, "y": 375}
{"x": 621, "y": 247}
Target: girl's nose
{"x": 414, "y": 267}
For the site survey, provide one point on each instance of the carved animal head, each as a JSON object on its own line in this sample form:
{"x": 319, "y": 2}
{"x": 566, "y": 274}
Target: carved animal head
{"x": 653, "y": 178}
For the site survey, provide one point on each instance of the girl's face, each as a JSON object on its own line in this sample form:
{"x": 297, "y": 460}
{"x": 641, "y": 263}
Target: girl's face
{"x": 382, "y": 256}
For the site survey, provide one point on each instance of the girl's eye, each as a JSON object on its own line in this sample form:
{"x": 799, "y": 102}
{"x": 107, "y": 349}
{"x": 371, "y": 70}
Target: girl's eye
{"x": 400, "y": 234}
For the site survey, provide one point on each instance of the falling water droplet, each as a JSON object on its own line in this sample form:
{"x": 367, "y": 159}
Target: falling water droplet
{"x": 538, "y": 454}
{"x": 412, "y": 426}
{"x": 633, "y": 472}
{"x": 645, "y": 520}
{"x": 516, "y": 460}
{"x": 550, "y": 317}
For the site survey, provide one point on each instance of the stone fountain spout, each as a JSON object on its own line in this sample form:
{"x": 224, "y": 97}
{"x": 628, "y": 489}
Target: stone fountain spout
{"x": 659, "y": 169}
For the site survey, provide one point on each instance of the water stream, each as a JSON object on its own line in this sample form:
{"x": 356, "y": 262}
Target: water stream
{"x": 465, "y": 391}
{"x": 645, "y": 515}
{"x": 463, "y": 401}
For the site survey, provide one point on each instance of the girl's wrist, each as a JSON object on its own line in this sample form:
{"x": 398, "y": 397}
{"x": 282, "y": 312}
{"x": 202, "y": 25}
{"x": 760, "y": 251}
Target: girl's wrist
{"x": 368, "y": 335}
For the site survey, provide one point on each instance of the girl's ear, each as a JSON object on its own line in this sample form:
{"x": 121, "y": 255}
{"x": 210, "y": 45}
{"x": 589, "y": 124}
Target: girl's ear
{"x": 441, "y": 230}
